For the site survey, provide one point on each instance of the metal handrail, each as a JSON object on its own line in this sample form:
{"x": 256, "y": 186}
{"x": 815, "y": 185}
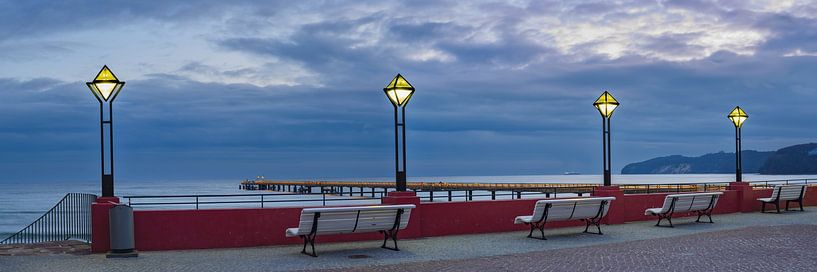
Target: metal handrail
{"x": 495, "y": 189}
{"x": 69, "y": 219}
{"x": 198, "y": 200}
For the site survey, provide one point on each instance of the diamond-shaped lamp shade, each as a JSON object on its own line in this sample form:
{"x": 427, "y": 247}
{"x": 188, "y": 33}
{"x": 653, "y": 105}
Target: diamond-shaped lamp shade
{"x": 399, "y": 91}
{"x": 105, "y": 85}
{"x": 606, "y": 104}
{"x": 738, "y": 116}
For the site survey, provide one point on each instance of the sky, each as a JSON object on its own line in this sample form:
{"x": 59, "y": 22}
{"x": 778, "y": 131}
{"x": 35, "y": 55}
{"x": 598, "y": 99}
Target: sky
{"x": 293, "y": 89}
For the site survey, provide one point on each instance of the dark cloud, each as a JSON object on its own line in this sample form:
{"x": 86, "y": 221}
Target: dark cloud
{"x": 507, "y": 106}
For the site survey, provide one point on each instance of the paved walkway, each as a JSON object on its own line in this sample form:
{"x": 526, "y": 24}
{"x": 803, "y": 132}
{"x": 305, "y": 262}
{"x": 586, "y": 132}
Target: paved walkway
{"x": 736, "y": 242}
{"x": 49, "y": 248}
{"x": 776, "y": 248}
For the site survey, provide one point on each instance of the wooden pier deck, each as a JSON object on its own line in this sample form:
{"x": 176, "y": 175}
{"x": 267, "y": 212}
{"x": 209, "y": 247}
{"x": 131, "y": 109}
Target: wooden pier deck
{"x": 374, "y": 189}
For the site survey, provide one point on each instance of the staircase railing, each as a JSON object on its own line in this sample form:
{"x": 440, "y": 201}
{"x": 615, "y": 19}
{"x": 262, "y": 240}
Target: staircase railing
{"x": 69, "y": 219}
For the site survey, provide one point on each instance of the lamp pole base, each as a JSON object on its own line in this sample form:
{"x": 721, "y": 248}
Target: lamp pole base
{"x": 401, "y": 181}
{"x": 107, "y": 185}
{"x": 126, "y": 254}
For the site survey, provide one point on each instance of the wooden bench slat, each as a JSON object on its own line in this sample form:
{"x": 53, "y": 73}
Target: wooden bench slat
{"x": 702, "y": 203}
{"x": 590, "y": 209}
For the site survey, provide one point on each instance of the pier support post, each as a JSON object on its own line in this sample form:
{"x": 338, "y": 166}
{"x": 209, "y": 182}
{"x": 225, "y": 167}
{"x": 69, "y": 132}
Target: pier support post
{"x": 449, "y": 196}
{"x": 493, "y": 195}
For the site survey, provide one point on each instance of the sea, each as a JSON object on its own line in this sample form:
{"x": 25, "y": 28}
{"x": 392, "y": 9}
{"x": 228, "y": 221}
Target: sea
{"x": 22, "y": 203}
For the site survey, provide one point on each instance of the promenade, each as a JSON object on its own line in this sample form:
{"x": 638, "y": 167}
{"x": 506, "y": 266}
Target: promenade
{"x": 736, "y": 242}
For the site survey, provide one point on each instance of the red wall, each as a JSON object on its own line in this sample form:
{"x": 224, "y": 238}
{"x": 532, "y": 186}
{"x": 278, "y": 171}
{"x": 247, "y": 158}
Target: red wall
{"x": 222, "y": 228}
{"x": 219, "y": 228}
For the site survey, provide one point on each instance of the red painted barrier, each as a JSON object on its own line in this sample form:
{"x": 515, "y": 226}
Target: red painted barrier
{"x": 219, "y": 228}
{"x": 222, "y": 228}
{"x": 100, "y": 234}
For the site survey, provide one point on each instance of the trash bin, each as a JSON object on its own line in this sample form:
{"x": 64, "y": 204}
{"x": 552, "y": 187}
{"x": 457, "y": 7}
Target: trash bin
{"x": 121, "y": 228}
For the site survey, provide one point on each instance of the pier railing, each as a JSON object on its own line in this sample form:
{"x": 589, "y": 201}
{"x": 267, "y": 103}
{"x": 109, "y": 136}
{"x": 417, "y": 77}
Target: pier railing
{"x": 241, "y": 200}
{"x": 318, "y": 193}
{"x": 450, "y": 191}
{"x": 69, "y": 219}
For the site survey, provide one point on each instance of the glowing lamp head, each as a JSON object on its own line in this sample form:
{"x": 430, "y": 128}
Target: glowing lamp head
{"x": 738, "y": 116}
{"x": 399, "y": 91}
{"x": 105, "y": 85}
{"x": 606, "y": 104}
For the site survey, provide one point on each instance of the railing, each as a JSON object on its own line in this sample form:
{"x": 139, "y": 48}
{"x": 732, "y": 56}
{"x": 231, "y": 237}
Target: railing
{"x": 69, "y": 219}
{"x": 472, "y": 195}
{"x": 772, "y": 183}
{"x": 705, "y": 186}
{"x": 235, "y": 199}
{"x": 328, "y": 196}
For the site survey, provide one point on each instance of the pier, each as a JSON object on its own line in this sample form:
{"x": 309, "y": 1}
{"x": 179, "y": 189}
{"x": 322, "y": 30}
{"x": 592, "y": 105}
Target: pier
{"x": 451, "y": 190}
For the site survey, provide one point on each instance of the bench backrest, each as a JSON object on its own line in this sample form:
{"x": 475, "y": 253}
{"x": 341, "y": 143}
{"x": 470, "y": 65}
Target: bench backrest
{"x": 788, "y": 192}
{"x": 571, "y": 208}
{"x": 354, "y": 219}
{"x": 690, "y": 202}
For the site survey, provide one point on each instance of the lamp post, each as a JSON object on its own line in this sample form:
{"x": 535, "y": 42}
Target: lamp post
{"x": 105, "y": 87}
{"x": 738, "y": 116}
{"x": 606, "y": 104}
{"x": 399, "y": 91}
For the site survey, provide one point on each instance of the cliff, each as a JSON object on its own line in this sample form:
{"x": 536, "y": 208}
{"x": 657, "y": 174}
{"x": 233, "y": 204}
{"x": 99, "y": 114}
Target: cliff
{"x": 792, "y": 160}
{"x": 714, "y": 163}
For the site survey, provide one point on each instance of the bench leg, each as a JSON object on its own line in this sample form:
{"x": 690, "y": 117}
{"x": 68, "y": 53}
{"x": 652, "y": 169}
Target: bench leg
{"x": 390, "y": 234}
{"x": 763, "y": 207}
{"x": 708, "y": 214}
{"x": 662, "y": 217}
{"x": 787, "y": 205}
{"x": 777, "y": 206}
{"x": 540, "y": 227}
{"x": 595, "y": 222}
{"x": 309, "y": 239}
{"x": 801, "y": 205}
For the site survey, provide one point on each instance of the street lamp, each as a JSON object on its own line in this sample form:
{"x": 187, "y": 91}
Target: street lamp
{"x": 606, "y": 104}
{"x": 399, "y": 91}
{"x": 105, "y": 87}
{"x": 738, "y": 116}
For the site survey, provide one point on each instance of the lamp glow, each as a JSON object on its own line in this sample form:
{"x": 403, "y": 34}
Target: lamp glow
{"x": 606, "y": 104}
{"x": 399, "y": 91}
{"x": 738, "y": 116}
{"x": 105, "y": 85}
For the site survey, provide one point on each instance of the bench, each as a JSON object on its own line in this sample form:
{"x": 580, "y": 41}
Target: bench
{"x": 788, "y": 193}
{"x": 590, "y": 210}
{"x": 701, "y": 203}
{"x": 386, "y": 219}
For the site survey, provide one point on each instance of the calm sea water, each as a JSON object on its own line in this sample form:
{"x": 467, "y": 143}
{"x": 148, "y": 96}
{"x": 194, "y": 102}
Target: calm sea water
{"x": 22, "y": 203}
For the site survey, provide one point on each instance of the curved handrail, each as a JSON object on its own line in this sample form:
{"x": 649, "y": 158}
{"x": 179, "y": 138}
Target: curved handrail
{"x": 70, "y": 218}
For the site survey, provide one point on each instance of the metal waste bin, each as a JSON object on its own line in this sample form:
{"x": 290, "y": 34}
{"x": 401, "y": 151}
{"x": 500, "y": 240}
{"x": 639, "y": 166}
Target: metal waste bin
{"x": 121, "y": 228}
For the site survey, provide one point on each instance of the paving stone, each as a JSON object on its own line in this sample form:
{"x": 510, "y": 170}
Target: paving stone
{"x": 735, "y": 242}
{"x": 777, "y": 248}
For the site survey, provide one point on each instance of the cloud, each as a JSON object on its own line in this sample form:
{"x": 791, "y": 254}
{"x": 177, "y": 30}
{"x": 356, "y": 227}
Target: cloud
{"x": 295, "y": 89}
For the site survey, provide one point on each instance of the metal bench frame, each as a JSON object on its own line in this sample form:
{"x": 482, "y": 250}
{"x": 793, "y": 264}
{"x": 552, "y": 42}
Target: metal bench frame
{"x": 595, "y": 221}
{"x": 387, "y": 234}
{"x": 668, "y": 215}
{"x": 776, "y": 201}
